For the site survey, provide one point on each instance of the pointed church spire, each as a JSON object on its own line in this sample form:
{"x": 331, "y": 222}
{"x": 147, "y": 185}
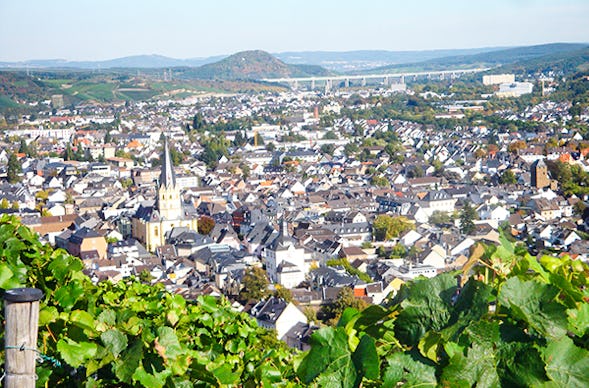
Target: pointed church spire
{"x": 167, "y": 177}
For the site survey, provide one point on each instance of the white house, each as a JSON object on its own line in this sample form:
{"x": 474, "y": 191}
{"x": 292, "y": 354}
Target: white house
{"x": 276, "y": 314}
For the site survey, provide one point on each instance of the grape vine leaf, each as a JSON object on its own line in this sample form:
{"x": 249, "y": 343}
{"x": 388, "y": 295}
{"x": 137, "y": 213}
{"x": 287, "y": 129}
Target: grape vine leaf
{"x": 75, "y": 353}
{"x": 567, "y": 364}
{"x": 366, "y": 359}
{"x": 410, "y": 370}
{"x": 426, "y": 306}
{"x": 534, "y": 303}
{"x": 329, "y": 358}
{"x": 478, "y": 368}
{"x": 156, "y": 380}
{"x": 114, "y": 341}
{"x": 129, "y": 361}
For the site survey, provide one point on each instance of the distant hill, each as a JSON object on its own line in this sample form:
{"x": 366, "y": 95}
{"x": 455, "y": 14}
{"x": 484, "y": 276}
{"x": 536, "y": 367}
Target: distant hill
{"x": 364, "y": 59}
{"x": 253, "y": 64}
{"x": 487, "y": 59}
{"x": 567, "y": 62}
{"x": 135, "y": 61}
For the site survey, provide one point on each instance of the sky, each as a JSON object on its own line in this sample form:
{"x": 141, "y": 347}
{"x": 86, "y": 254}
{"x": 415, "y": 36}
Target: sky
{"x": 106, "y": 29}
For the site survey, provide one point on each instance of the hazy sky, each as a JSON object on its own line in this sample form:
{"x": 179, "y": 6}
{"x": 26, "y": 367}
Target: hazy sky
{"x": 105, "y": 29}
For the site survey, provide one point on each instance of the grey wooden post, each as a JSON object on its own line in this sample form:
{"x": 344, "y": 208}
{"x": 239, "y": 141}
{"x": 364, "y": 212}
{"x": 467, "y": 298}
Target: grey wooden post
{"x": 21, "y": 307}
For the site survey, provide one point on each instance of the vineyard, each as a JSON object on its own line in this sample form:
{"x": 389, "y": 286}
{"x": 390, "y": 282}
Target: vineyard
{"x": 514, "y": 321}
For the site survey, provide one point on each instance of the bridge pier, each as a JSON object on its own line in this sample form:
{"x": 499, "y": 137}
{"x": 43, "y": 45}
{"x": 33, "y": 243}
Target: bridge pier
{"x": 347, "y": 83}
{"x": 364, "y": 81}
{"x": 385, "y": 81}
{"x": 327, "y": 86}
{"x": 313, "y": 84}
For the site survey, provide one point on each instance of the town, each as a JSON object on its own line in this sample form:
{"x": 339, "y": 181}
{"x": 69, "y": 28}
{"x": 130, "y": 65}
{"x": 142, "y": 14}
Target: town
{"x": 297, "y": 203}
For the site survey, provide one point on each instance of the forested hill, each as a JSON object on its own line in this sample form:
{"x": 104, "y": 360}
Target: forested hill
{"x": 251, "y": 65}
{"x": 507, "y": 319}
{"x": 568, "y": 62}
{"x": 494, "y": 58}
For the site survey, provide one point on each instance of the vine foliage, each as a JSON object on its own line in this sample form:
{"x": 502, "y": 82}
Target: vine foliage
{"x": 507, "y": 319}
{"x": 129, "y": 333}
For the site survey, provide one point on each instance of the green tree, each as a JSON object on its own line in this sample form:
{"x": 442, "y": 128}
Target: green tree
{"x": 245, "y": 170}
{"x": 439, "y": 218}
{"x": 198, "y": 122}
{"x": 255, "y": 285}
{"x": 284, "y": 293}
{"x": 345, "y": 299}
{"x": 508, "y": 178}
{"x": 327, "y": 149}
{"x": 398, "y": 251}
{"x": 330, "y": 135}
{"x": 23, "y": 147}
{"x": 386, "y": 227}
{"x": 4, "y": 204}
{"x": 416, "y": 172}
{"x": 13, "y": 169}
{"x": 467, "y": 217}
{"x": 68, "y": 153}
{"x": 145, "y": 276}
{"x": 380, "y": 181}
{"x": 351, "y": 149}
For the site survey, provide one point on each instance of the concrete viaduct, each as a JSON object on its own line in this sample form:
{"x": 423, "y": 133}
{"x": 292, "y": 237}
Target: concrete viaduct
{"x": 387, "y": 79}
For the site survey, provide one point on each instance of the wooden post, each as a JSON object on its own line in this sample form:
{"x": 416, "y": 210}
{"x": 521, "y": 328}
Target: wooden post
{"x": 22, "y": 321}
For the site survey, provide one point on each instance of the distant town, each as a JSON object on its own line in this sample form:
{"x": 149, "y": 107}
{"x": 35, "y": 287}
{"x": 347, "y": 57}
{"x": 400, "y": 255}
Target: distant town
{"x": 292, "y": 201}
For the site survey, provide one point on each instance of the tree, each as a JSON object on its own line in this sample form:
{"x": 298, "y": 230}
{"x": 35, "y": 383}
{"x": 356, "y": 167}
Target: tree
{"x": 205, "y": 225}
{"x": 310, "y": 313}
{"x": 380, "y": 181}
{"x": 327, "y": 149}
{"x": 68, "y": 153}
{"x": 439, "y": 218}
{"x": 416, "y": 172}
{"x": 283, "y": 293}
{"x": 515, "y": 146}
{"x": 197, "y": 121}
{"x": 145, "y": 276}
{"x": 4, "y": 204}
{"x": 23, "y": 147}
{"x": 480, "y": 153}
{"x": 330, "y": 135}
{"x": 399, "y": 250}
{"x": 467, "y": 217}
{"x": 345, "y": 298}
{"x": 386, "y": 227}
{"x": 13, "y": 169}
{"x": 255, "y": 285}
{"x": 508, "y": 178}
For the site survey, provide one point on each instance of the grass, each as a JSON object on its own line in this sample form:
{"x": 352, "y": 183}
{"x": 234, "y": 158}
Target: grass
{"x": 7, "y": 102}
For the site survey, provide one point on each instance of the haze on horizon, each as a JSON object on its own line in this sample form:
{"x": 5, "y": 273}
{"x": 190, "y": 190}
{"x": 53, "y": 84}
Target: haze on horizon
{"x": 98, "y": 30}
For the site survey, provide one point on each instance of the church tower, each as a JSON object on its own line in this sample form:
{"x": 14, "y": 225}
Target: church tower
{"x": 539, "y": 174}
{"x": 169, "y": 204}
